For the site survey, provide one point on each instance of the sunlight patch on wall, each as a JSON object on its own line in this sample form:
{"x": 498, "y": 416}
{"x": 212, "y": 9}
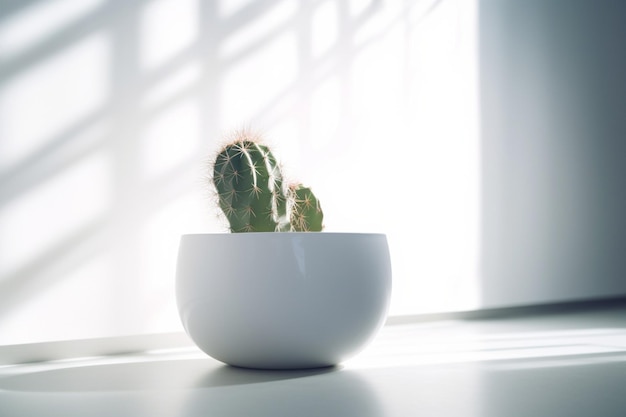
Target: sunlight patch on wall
{"x": 414, "y": 155}
{"x": 445, "y": 169}
{"x": 227, "y": 8}
{"x": 271, "y": 21}
{"x": 44, "y": 101}
{"x": 175, "y": 83}
{"x": 257, "y": 80}
{"x": 170, "y": 139}
{"x": 167, "y": 27}
{"x": 325, "y": 27}
{"x": 326, "y": 104}
{"x": 357, "y": 7}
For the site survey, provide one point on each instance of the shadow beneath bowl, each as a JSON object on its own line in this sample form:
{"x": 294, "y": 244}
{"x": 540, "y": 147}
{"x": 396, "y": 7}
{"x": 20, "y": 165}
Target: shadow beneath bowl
{"x": 228, "y": 375}
{"x": 311, "y": 392}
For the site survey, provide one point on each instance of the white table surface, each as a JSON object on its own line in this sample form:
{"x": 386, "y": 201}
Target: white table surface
{"x": 568, "y": 364}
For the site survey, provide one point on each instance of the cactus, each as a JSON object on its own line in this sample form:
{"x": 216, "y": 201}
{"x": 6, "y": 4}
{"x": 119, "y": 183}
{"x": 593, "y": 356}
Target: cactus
{"x": 252, "y": 195}
{"x": 250, "y": 187}
{"x": 306, "y": 214}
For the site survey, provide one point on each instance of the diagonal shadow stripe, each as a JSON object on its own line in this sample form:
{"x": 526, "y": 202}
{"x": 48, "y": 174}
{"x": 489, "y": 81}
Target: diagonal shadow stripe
{"x": 68, "y": 35}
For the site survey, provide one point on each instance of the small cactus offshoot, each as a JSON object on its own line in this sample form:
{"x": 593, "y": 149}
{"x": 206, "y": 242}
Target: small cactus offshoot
{"x": 306, "y": 213}
{"x": 253, "y": 196}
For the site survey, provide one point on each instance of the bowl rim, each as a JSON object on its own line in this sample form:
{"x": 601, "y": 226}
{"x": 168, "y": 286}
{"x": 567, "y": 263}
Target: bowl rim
{"x": 286, "y": 234}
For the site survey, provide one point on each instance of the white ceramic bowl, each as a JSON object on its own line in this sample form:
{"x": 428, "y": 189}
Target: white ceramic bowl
{"x": 283, "y": 300}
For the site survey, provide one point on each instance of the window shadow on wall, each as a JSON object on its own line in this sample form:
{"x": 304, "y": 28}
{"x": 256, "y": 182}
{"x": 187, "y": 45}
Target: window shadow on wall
{"x": 114, "y": 128}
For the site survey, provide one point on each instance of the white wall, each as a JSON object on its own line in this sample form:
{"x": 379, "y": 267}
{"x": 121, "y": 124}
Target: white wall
{"x": 553, "y": 90}
{"x": 109, "y": 110}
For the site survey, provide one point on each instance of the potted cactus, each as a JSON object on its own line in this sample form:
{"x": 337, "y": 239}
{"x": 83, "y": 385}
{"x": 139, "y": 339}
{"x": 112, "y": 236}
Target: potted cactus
{"x": 271, "y": 294}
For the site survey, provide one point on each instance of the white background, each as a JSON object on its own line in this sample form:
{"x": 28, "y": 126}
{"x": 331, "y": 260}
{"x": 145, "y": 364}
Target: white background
{"x": 110, "y": 110}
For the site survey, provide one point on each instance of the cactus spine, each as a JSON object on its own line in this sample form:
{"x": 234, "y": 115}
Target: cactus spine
{"x": 252, "y": 195}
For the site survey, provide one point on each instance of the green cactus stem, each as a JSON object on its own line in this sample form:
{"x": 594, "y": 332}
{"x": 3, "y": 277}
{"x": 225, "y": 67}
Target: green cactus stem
{"x": 306, "y": 213}
{"x": 250, "y": 187}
